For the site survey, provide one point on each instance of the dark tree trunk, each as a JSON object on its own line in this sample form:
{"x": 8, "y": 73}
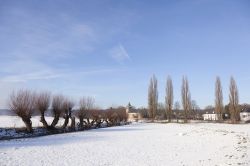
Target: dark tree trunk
{"x": 107, "y": 122}
{"x": 73, "y": 123}
{"x": 88, "y": 125}
{"x": 66, "y": 121}
{"x": 92, "y": 122}
{"x": 55, "y": 121}
{"x": 81, "y": 122}
{"x": 28, "y": 124}
{"x": 98, "y": 123}
{"x": 45, "y": 124}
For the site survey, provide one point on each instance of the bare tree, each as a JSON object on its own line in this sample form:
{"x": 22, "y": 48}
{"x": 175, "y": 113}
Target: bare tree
{"x": 111, "y": 116}
{"x": 84, "y": 112}
{"x": 234, "y": 101}
{"x": 57, "y": 109}
{"x": 42, "y": 102}
{"x": 177, "y": 108}
{"x": 161, "y": 111}
{"x": 169, "y": 98}
{"x": 186, "y": 99}
{"x": 67, "y": 107}
{"x": 194, "y": 108}
{"x": 218, "y": 98}
{"x": 152, "y": 97}
{"x": 22, "y": 104}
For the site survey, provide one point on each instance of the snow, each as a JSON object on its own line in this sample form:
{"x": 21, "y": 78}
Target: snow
{"x": 15, "y": 121}
{"x": 137, "y": 144}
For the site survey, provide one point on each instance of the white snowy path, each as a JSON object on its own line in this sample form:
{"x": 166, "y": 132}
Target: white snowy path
{"x": 135, "y": 145}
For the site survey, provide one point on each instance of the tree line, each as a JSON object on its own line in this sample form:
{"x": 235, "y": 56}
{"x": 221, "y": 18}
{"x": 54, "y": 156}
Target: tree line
{"x": 188, "y": 104}
{"x": 24, "y": 103}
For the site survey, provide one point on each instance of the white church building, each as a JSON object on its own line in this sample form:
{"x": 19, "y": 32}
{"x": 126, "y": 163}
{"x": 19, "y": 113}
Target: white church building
{"x": 133, "y": 115}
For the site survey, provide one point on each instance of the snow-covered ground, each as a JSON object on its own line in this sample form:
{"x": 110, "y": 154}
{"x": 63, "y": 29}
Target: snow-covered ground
{"x": 15, "y": 121}
{"x": 136, "y": 144}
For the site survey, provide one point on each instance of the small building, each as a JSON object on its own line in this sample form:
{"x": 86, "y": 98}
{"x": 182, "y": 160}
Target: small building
{"x": 210, "y": 116}
{"x": 133, "y": 114}
{"x": 245, "y": 115}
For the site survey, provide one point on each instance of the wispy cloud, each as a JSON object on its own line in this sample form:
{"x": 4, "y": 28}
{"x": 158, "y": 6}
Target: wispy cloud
{"x": 42, "y": 75}
{"x": 32, "y": 47}
{"x": 53, "y": 74}
{"x": 119, "y": 53}
{"x": 24, "y": 35}
{"x": 57, "y": 49}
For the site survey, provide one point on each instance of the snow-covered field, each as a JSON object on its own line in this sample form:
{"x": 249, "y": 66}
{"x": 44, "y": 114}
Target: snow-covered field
{"x": 136, "y": 144}
{"x": 15, "y": 121}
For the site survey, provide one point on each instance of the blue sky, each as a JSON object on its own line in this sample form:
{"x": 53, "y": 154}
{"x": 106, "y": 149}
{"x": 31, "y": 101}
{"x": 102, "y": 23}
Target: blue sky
{"x": 109, "y": 49}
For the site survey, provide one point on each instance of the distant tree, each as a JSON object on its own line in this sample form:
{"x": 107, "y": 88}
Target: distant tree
{"x": 177, "y": 108}
{"x": 234, "y": 101}
{"x": 42, "y": 103}
{"x": 194, "y": 105}
{"x": 98, "y": 116}
{"x": 209, "y": 108}
{"x": 152, "y": 97}
{"x": 186, "y": 99}
{"x": 143, "y": 112}
{"x": 57, "y": 109}
{"x": 169, "y": 98}
{"x": 121, "y": 114}
{"x": 161, "y": 111}
{"x": 22, "y": 104}
{"x": 218, "y": 98}
{"x": 194, "y": 108}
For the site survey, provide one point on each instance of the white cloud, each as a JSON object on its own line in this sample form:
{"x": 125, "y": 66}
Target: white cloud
{"x": 42, "y": 75}
{"x": 25, "y": 35}
{"x": 48, "y": 74}
{"x": 119, "y": 53}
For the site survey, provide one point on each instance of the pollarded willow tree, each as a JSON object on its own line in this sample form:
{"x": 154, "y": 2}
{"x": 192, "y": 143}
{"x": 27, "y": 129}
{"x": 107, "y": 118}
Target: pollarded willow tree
{"x": 87, "y": 104}
{"x": 152, "y": 97}
{"x": 218, "y": 98}
{"x": 67, "y": 108}
{"x": 186, "y": 98}
{"x": 22, "y": 104}
{"x": 57, "y": 109}
{"x": 169, "y": 98}
{"x": 234, "y": 101}
{"x": 42, "y": 103}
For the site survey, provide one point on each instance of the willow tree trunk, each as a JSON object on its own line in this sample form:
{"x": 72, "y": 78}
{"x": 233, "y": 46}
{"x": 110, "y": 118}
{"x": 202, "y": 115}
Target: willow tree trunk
{"x": 73, "y": 123}
{"x": 66, "y": 121}
{"x": 55, "y": 121}
{"x": 81, "y": 122}
{"x": 28, "y": 124}
{"x": 43, "y": 121}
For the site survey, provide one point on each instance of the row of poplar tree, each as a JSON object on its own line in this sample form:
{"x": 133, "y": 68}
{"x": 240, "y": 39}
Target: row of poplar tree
{"x": 234, "y": 108}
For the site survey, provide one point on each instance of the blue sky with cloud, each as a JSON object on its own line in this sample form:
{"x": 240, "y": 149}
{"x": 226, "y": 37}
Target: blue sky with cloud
{"x": 109, "y": 49}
